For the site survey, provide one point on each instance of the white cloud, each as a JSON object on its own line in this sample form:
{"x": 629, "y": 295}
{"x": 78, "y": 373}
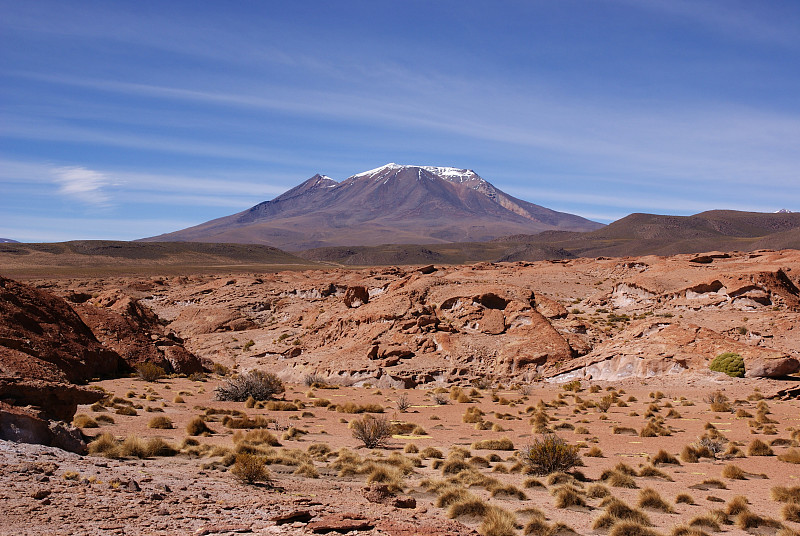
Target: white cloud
{"x": 83, "y": 184}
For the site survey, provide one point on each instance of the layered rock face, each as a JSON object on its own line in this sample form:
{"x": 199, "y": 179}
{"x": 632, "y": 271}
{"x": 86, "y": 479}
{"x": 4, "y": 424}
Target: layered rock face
{"x": 46, "y": 347}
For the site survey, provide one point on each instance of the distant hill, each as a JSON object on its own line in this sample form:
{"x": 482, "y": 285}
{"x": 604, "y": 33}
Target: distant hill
{"x": 98, "y": 257}
{"x": 636, "y": 234}
{"x": 8, "y": 241}
{"x": 392, "y": 204}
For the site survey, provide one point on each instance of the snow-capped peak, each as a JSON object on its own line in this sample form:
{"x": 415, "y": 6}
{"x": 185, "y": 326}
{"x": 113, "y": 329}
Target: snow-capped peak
{"x": 450, "y": 174}
{"x": 784, "y": 211}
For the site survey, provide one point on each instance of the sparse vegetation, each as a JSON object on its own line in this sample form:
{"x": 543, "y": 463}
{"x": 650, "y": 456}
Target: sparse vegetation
{"x": 371, "y": 431}
{"x": 549, "y": 454}
{"x": 250, "y": 469}
{"x": 150, "y": 372}
{"x": 257, "y": 384}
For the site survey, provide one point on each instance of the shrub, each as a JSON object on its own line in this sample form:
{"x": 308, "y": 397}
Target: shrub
{"x": 684, "y": 498}
{"x": 402, "y": 403}
{"x": 250, "y": 469}
{"x": 371, "y": 431}
{"x": 126, "y": 410}
{"x": 161, "y": 422}
{"x": 730, "y": 363}
{"x": 150, "y": 372}
{"x": 256, "y": 383}
{"x": 550, "y": 454}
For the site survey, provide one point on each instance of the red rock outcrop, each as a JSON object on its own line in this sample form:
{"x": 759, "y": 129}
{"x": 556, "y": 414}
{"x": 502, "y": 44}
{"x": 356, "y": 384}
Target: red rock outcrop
{"x": 42, "y": 337}
{"x": 123, "y": 324}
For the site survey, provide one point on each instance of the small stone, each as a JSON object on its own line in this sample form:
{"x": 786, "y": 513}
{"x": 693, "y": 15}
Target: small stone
{"x": 40, "y": 494}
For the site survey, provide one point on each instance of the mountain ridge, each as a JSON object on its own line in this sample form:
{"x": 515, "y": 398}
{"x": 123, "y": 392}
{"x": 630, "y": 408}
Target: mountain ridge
{"x": 389, "y": 204}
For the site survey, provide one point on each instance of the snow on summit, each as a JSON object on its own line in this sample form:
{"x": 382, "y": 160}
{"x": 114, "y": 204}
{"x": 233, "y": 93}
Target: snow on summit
{"x": 450, "y": 174}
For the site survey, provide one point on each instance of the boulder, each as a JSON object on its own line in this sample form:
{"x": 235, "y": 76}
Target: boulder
{"x": 550, "y": 308}
{"x": 50, "y": 400}
{"x": 771, "y": 368}
{"x": 25, "y": 426}
{"x": 356, "y": 296}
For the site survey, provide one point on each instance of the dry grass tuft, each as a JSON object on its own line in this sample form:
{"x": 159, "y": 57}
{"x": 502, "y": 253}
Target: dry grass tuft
{"x": 617, "y": 511}
{"x": 736, "y": 505}
{"x": 734, "y": 472}
{"x": 662, "y": 456}
{"x": 791, "y": 512}
{"x": 707, "y": 520}
{"x": 759, "y": 448}
{"x": 250, "y": 469}
{"x": 198, "y": 426}
{"x": 618, "y": 479}
{"x": 631, "y": 528}
{"x": 84, "y": 421}
{"x": 652, "y": 472}
{"x": 786, "y": 494}
{"x": 567, "y": 496}
{"x": 468, "y": 506}
{"x": 508, "y": 490}
{"x": 494, "y": 444}
{"x": 684, "y": 498}
{"x": 791, "y": 456}
{"x": 650, "y": 498}
{"x": 498, "y": 522}
{"x": 533, "y": 483}
{"x": 161, "y": 422}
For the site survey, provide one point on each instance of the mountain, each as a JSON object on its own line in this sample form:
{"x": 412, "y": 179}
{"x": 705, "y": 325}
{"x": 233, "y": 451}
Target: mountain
{"x": 8, "y": 241}
{"x": 392, "y": 204}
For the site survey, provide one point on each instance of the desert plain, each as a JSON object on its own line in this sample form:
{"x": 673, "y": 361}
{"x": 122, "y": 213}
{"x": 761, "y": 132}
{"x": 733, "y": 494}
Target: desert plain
{"x": 470, "y": 367}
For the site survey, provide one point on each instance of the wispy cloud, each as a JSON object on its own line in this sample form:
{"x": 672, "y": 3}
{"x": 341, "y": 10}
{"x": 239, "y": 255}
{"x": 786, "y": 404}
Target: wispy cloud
{"x": 83, "y": 184}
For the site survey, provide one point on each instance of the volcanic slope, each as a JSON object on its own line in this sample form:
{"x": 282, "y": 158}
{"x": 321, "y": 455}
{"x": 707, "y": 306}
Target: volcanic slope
{"x": 390, "y": 204}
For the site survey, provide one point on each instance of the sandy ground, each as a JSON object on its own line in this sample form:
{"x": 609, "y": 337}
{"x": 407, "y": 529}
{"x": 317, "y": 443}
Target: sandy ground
{"x": 188, "y": 494}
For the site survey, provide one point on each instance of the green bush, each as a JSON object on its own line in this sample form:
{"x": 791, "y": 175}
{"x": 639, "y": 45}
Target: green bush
{"x": 729, "y": 363}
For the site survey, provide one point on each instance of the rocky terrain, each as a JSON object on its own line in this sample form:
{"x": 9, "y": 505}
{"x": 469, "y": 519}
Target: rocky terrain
{"x": 423, "y": 344}
{"x": 604, "y": 318}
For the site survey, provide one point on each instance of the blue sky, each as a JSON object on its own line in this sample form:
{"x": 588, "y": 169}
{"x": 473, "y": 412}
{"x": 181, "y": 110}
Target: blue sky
{"x": 126, "y": 119}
